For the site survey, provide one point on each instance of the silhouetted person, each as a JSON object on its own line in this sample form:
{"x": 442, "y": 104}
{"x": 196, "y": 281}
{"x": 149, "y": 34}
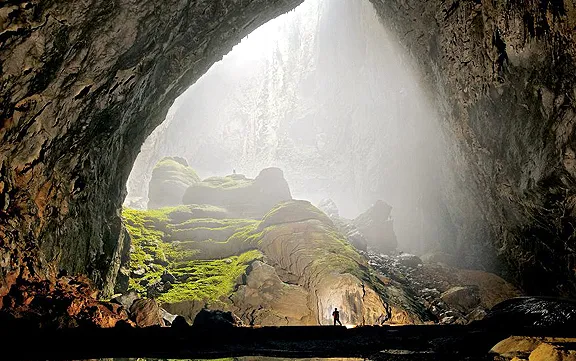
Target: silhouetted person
{"x": 233, "y": 171}
{"x": 336, "y": 315}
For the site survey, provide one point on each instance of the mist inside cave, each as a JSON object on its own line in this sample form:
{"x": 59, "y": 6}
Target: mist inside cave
{"x": 326, "y": 94}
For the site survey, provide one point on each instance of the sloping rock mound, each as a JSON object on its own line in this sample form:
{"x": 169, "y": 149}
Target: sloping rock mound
{"x": 378, "y": 228}
{"x": 243, "y": 197}
{"x": 291, "y": 268}
{"x": 170, "y": 179}
{"x": 312, "y": 253}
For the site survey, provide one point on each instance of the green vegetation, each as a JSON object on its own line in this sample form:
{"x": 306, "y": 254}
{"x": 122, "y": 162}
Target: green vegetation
{"x": 154, "y": 252}
{"x": 208, "y": 280}
{"x": 207, "y": 256}
{"x": 168, "y": 168}
{"x": 231, "y": 181}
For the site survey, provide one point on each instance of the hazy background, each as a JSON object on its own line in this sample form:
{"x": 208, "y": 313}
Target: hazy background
{"x": 325, "y": 93}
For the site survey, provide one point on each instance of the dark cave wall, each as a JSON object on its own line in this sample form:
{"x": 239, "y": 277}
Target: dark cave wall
{"x": 503, "y": 74}
{"x": 83, "y": 85}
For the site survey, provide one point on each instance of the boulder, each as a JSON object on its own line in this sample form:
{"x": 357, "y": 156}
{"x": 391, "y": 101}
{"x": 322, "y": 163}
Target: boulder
{"x": 146, "y": 313}
{"x": 536, "y": 348}
{"x": 329, "y": 207}
{"x": 378, "y": 228}
{"x": 215, "y": 319}
{"x": 442, "y": 258}
{"x": 549, "y": 352}
{"x": 126, "y": 300}
{"x": 180, "y": 322}
{"x": 543, "y": 313}
{"x": 409, "y": 260}
{"x": 168, "y": 317}
{"x": 170, "y": 179}
{"x": 242, "y": 197}
{"x": 464, "y": 299}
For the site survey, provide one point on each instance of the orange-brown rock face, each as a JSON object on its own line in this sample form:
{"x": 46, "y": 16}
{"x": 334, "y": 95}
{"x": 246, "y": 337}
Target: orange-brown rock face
{"x": 68, "y": 302}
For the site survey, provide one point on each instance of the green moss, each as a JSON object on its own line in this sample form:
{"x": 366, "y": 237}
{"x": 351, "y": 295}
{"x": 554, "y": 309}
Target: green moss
{"x": 152, "y": 250}
{"x": 208, "y": 280}
{"x": 168, "y": 168}
{"x": 228, "y": 182}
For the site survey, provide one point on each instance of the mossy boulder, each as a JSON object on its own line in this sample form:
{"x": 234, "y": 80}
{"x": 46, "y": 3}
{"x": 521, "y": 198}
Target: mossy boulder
{"x": 170, "y": 179}
{"x": 292, "y": 267}
{"x": 241, "y": 196}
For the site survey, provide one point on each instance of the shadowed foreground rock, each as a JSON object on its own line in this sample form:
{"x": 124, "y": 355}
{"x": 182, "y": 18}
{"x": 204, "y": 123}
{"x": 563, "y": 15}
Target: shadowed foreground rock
{"x": 428, "y": 342}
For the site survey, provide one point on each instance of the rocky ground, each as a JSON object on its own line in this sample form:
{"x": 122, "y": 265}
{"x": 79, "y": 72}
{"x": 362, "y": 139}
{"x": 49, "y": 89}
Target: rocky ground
{"x": 451, "y": 295}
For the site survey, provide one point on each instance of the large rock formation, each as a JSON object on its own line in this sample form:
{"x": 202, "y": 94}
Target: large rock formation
{"x": 83, "y": 87}
{"x": 170, "y": 179}
{"x": 290, "y": 268}
{"x": 245, "y": 198}
{"x": 377, "y": 227}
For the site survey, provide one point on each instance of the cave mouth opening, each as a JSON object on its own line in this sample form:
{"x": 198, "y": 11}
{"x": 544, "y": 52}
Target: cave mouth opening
{"x": 326, "y": 94}
{"x": 52, "y": 201}
{"x": 314, "y": 131}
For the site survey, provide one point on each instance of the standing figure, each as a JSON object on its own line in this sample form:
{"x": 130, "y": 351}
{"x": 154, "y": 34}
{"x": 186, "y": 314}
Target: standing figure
{"x": 336, "y": 315}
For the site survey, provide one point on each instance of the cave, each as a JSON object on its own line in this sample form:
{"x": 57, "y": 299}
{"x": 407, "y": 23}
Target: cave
{"x": 83, "y": 86}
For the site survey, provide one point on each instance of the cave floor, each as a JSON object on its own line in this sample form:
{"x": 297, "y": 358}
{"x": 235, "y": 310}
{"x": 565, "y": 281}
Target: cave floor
{"x": 417, "y": 342}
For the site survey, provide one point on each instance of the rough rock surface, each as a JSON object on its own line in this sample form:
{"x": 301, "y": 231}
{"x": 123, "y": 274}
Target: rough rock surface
{"x": 146, "y": 313}
{"x": 265, "y": 300}
{"x": 82, "y": 88}
{"x": 170, "y": 179}
{"x": 291, "y": 268}
{"x": 69, "y": 302}
{"x": 216, "y": 319}
{"x": 464, "y": 299}
{"x": 378, "y": 228}
{"x": 536, "y": 348}
{"x": 452, "y": 295}
{"x": 344, "y": 226}
{"x": 243, "y": 197}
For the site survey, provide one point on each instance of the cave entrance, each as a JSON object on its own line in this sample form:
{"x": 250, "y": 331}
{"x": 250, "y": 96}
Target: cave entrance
{"x": 326, "y": 94}
{"x": 320, "y": 104}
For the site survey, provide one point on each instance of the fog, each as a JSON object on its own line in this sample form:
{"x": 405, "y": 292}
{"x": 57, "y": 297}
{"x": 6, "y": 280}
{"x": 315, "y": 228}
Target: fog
{"x": 328, "y": 95}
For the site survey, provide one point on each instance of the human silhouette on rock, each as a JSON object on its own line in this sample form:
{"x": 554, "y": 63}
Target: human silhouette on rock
{"x": 336, "y": 316}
